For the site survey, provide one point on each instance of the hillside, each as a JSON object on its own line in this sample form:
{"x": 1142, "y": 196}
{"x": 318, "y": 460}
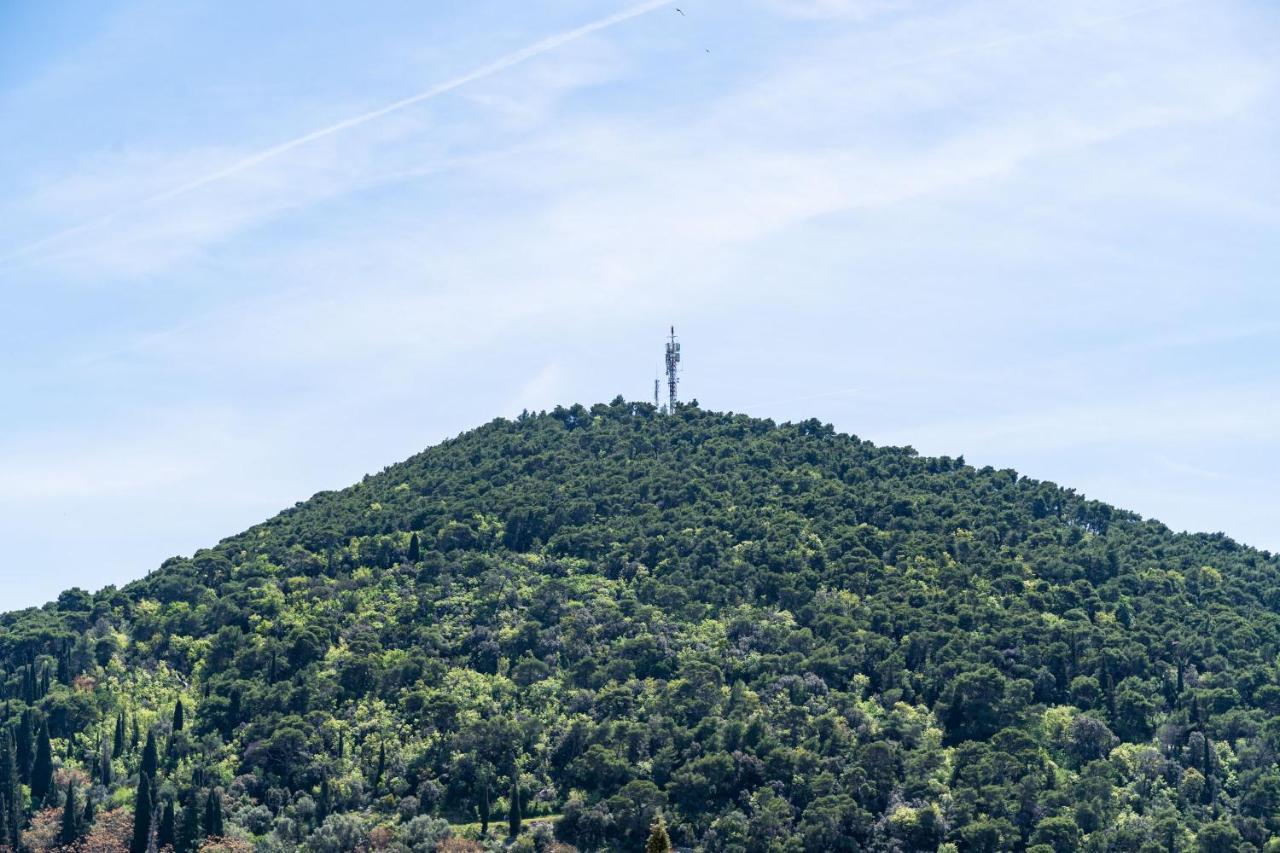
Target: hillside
{"x": 781, "y": 637}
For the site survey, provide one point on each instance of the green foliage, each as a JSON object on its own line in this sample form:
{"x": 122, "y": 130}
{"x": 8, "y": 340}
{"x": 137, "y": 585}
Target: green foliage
{"x": 777, "y": 637}
{"x": 659, "y": 841}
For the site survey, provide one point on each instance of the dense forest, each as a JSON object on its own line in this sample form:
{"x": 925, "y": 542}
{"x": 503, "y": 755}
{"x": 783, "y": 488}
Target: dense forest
{"x": 558, "y": 631}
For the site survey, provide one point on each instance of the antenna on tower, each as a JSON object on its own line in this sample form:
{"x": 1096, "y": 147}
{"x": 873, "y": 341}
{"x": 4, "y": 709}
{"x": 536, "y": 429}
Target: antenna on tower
{"x": 673, "y": 367}
{"x": 655, "y": 390}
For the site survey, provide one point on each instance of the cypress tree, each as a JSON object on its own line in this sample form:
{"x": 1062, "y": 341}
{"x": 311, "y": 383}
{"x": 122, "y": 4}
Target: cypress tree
{"x": 166, "y": 836}
{"x": 86, "y": 823}
{"x": 104, "y": 766}
{"x": 4, "y": 817}
{"x": 189, "y": 836}
{"x": 134, "y": 734}
{"x": 42, "y": 767}
{"x": 26, "y": 743}
{"x": 150, "y": 756}
{"x": 70, "y": 830}
{"x": 323, "y": 804}
{"x": 117, "y": 745}
{"x": 514, "y": 818}
{"x": 213, "y": 814}
{"x": 483, "y": 805}
{"x": 382, "y": 765}
{"x": 659, "y": 841}
{"x": 415, "y": 550}
{"x": 10, "y": 790}
{"x": 142, "y": 816}
{"x": 178, "y": 716}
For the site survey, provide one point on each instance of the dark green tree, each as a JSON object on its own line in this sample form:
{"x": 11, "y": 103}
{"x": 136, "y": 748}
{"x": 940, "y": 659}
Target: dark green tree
{"x": 415, "y": 550}
{"x": 167, "y": 835}
{"x": 323, "y": 801}
{"x": 513, "y": 810}
{"x": 213, "y": 814}
{"x": 11, "y": 804}
{"x": 42, "y": 767}
{"x": 104, "y": 766}
{"x": 179, "y": 716}
{"x": 70, "y": 829}
{"x": 26, "y": 745}
{"x": 142, "y": 808}
{"x": 150, "y": 757}
{"x": 189, "y": 829}
{"x": 117, "y": 743}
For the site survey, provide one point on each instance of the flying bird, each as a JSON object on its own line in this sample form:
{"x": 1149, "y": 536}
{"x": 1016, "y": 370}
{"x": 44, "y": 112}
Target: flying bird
{"x": 681, "y": 11}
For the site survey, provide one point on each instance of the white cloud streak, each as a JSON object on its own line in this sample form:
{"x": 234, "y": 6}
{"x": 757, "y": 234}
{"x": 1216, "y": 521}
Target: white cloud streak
{"x": 489, "y": 69}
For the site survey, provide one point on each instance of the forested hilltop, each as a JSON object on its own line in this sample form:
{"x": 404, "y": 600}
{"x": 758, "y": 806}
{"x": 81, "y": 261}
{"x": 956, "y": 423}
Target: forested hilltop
{"x": 778, "y": 637}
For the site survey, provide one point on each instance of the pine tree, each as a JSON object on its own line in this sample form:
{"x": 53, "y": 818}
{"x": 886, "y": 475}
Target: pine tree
{"x": 166, "y": 836}
{"x": 178, "y": 716}
{"x": 42, "y": 767}
{"x": 142, "y": 816}
{"x": 659, "y": 841}
{"x": 70, "y": 830}
{"x": 117, "y": 745}
{"x": 189, "y": 835}
{"x": 514, "y": 818}
{"x": 213, "y": 814}
{"x": 150, "y": 756}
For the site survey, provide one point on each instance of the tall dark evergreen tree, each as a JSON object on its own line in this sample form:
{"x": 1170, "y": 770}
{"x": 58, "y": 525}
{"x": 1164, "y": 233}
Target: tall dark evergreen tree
{"x": 26, "y": 745}
{"x": 380, "y": 767}
{"x": 415, "y": 549}
{"x": 142, "y": 808}
{"x": 117, "y": 744}
{"x": 42, "y": 767}
{"x": 150, "y": 756}
{"x": 10, "y": 790}
{"x": 189, "y": 830}
{"x": 514, "y": 817}
{"x": 167, "y": 834}
{"x": 213, "y": 814}
{"x": 179, "y": 716}
{"x": 104, "y": 766}
{"x": 70, "y": 828}
{"x": 323, "y": 804}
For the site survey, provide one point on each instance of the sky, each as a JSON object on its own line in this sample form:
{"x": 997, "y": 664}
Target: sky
{"x": 252, "y": 251}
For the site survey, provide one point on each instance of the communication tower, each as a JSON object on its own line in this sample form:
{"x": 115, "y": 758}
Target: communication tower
{"x": 673, "y": 367}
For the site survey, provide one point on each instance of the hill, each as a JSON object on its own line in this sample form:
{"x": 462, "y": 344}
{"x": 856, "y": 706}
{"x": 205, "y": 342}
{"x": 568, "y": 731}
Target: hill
{"x": 780, "y": 637}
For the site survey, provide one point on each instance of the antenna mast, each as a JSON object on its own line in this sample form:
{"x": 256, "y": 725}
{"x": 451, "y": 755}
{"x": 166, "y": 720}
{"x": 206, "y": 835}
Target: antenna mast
{"x": 673, "y": 366}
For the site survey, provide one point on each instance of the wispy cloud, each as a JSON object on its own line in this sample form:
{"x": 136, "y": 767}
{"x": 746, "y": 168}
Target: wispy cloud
{"x": 251, "y": 161}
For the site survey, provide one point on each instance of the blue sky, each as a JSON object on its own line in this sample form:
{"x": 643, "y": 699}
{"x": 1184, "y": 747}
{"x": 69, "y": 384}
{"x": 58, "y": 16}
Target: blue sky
{"x": 1042, "y": 235}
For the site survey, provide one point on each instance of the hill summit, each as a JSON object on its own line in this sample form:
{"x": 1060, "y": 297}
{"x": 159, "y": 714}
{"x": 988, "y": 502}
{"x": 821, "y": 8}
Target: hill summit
{"x": 555, "y": 629}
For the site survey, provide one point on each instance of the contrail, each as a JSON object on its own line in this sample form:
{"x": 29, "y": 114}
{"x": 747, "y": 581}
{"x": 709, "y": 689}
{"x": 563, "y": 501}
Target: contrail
{"x": 524, "y": 54}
